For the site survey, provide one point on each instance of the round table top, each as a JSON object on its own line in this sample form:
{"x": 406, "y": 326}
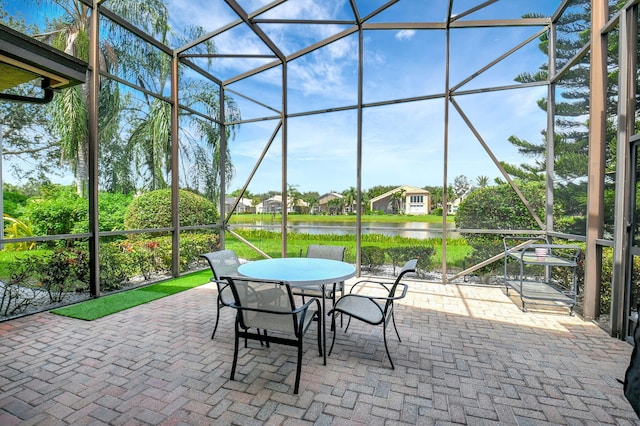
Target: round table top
{"x": 299, "y": 271}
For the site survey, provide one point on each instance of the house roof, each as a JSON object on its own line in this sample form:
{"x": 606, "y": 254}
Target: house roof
{"x": 406, "y": 188}
{"x": 331, "y": 195}
{"x": 278, "y": 199}
{"x": 23, "y": 59}
{"x": 244, "y": 201}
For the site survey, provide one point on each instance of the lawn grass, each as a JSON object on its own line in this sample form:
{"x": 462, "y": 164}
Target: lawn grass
{"x": 112, "y": 303}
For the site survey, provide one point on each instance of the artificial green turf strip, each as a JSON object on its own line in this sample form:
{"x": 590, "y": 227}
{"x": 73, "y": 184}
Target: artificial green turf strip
{"x": 110, "y": 304}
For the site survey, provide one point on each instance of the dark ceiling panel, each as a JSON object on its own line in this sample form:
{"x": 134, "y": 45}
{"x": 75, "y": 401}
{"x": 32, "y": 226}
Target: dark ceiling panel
{"x": 23, "y": 58}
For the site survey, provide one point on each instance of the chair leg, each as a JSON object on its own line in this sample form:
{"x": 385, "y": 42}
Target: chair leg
{"x": 348, "y": 324}
{"x": 299, "y": 367}
{"x": 235, "y": 352}
{"x": 217, "y": 319}
{"x": 319, "y": 335}
{"x": 333, "y": 327}
{"x": 384, "y": 335}
{"x": 393, "y": 318}
{"x": 333, "y": 303}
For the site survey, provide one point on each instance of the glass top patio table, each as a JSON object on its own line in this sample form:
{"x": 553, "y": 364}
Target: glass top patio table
{"x": 302, "y": 272}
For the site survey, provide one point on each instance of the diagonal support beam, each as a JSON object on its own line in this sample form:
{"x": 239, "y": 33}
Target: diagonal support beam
{"x": 498, "y": 165}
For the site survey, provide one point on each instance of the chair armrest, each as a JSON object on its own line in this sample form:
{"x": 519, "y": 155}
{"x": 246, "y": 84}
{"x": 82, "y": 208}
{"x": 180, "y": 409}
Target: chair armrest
{"x": 386, "y": 286}
{"x": 401, "y": 296}
{"x": 405, "y": 287}
{"x": 307, "y": 305}
{"x": 295, "y": 311}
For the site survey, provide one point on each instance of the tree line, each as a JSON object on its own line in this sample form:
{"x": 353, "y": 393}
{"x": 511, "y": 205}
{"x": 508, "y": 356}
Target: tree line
{"x": 304, "y": 202}
{"x": 133, "y": 120}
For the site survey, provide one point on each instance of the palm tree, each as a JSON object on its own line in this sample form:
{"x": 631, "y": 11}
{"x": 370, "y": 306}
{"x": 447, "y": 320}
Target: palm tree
{"x": 70, "y": 112}
{"x": 397, "y": 201}
{"x": 482, "y": 181}
{"x": 336, "y": 205}
{"x": 70, "y": 33}
{"x": 148, "y": 116}
{"x": 293, "y": 198}
{"x": 311, "y": 198}
{"x": 350, "y": 197}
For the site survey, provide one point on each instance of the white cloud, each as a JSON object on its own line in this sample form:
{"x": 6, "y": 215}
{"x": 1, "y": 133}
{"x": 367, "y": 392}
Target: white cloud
{"x": 405, "y": 34}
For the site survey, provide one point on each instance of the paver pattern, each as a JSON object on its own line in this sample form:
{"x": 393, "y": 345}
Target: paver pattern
{"x": 468, "y": 355}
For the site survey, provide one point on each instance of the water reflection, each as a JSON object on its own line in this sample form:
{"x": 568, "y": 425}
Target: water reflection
{"x": 419, "y": 230}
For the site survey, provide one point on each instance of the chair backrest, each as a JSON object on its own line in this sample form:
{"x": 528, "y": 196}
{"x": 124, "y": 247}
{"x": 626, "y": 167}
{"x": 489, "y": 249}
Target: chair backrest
{"x": 264, "y": 304}
{"x": 409, "y": 267}
{"x": 326, "y": 252}
{"x": 222, "y": 262}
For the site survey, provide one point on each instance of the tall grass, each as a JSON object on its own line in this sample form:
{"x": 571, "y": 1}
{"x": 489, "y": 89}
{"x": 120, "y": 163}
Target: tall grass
{"x": 270, "y": 243}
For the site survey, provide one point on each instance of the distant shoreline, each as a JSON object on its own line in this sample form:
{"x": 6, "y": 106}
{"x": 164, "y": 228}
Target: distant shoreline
{"x": 249, "y": 218}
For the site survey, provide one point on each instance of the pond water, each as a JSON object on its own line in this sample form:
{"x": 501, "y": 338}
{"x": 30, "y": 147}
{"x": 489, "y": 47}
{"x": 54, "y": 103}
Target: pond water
{"x": 419, "y": 230}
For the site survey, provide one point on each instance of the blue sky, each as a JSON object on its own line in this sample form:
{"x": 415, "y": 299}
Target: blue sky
{"x": 402, "y": 143}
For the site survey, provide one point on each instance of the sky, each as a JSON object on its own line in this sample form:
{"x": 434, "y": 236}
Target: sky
{"x": 403, "y": 143}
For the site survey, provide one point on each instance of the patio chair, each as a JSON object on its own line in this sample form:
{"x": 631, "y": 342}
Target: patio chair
{"x": 222, "y": 262}
{"x": 318, "y": 251}
{"x": 269, "y": 306}
{"x": 374, "y": 309}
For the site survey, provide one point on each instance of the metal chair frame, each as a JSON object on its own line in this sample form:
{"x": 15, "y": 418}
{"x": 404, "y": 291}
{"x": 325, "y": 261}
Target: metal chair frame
{"x": 374, "y": 310}
{"x": 263, "y": 309}
{"x": 222, "y": 262}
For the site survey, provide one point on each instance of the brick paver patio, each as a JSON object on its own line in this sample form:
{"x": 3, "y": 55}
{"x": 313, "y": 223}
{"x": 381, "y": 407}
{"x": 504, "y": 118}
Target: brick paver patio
{"x": 468, "y": 356}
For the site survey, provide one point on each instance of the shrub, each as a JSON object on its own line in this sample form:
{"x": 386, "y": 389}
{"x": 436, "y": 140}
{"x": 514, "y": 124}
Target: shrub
{"x": 15, "y": 295}
{"x": 57, "y": 211}
{"x": 60, "y": 272}
{"x": 121, "y": 261}
{"x": 423, "y": 254}
{"x": 192, "y": 245}
{"x": 111, "y": 209}
{"x": 397, "y": 256}
{"x": 115, "y": 267}
{"x": 153, "y": 210}
{"x": 400, "y": 255}
{"x": 499, "y": 208}
{"x": 13, "y": 202}
{"x": 372, "y": 257}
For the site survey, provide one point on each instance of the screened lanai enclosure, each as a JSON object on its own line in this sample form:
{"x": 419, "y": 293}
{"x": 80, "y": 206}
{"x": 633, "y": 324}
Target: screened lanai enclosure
{"x": 515, "y": 117}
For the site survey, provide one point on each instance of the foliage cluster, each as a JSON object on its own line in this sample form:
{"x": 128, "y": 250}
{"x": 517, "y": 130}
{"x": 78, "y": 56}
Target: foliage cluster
{"x": 269, "y": 242}
{"x": 60, "y": 210}
{"x": 63, "y": 271}
{"x": 13, "y": 202}
{"x": 56, "y": 274}
{"x": 374, "y": 257}
{"x": 153, "y": 210}
{"x": 499, "y": 208}
{"x": 15, "y": 228}
{"x": 607, "y": 276}
{"x": 399, "y": 255}
{"x": 122, "y": 260}
{"x": 56, "y": 211}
